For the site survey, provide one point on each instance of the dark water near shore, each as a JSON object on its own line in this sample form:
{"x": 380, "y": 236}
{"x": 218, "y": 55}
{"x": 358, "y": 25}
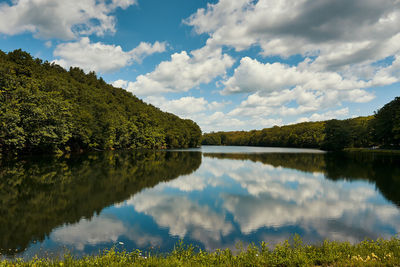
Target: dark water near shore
{"x": 211, "y": 197}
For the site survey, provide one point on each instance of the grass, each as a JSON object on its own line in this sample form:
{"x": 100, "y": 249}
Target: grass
{"x": 289, "y": 253}
{"x": 370, "y": 150}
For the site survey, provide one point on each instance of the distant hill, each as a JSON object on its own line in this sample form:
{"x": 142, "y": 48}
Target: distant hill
{"x": 45, "y": 108}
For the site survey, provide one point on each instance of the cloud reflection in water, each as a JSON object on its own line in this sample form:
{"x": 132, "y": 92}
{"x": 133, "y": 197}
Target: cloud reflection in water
{"x": 228, "y": 200}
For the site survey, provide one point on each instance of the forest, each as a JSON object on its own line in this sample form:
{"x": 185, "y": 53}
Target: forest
{"x": 47, "y": 109}
{"x": 379, "y": 130}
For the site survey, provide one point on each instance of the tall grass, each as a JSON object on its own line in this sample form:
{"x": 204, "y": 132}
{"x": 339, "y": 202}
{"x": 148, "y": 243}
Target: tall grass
{"x": 289, "y": 253}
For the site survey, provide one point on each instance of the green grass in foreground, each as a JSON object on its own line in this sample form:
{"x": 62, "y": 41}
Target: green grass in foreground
{"x": 290, "y": 253}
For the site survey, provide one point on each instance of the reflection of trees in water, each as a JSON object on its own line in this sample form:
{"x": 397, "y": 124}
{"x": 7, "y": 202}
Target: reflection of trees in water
{"x": 381, "y": 169}
{"x": 307, "y": 162}
{"x": 39, "y": 194}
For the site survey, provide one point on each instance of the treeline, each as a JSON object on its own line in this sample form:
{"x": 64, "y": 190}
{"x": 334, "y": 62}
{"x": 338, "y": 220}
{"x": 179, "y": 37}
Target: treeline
{"x": 381, "y": 129}
{"x": 45, "y": 108}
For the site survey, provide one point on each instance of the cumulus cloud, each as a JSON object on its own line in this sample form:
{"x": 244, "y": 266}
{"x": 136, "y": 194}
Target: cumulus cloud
{"x": 89, "y": 232}
{"x": 60, "y": 19}
{"x": 220, "y": 121}
{"x": 276, "y": 86}
{"x": 182, "y": 217}
{"x": 339, "y": 32}
{"x": 270, "y": 198}
{"x": 100, "y": 230}
{"x": 102, "y": 57}
{"x": 343, "y": 44}
{"x": 276, "y": 103}
{"x": 183, "y": 72}
{"x": 186, "y": 106}
{"x": 208, "y": 115}
{"x": 193, "y": 182}
{"x": 253, "y": 76}
{"x": 277, "y": 197}
{"x": 335, "y": 114}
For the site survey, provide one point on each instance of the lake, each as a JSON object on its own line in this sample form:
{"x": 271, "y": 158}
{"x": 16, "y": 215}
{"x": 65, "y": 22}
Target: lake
{"x": 212, "y": 197}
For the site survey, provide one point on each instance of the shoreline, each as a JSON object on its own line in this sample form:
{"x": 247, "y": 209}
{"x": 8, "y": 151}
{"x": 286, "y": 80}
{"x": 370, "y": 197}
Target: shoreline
{"x": 292, "y": 252}
{"x": 372, "y": 150}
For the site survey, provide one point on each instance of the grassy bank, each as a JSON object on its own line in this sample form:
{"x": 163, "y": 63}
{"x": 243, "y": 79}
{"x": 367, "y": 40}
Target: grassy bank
{"x": 370, "y": 150}
{"x": 290, "y": 253}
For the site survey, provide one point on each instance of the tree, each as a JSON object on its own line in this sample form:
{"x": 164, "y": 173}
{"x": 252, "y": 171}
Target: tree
{"x": 45, "y": 108}
{"x": 337, "y": 135}
{"x": 386, "y": 125}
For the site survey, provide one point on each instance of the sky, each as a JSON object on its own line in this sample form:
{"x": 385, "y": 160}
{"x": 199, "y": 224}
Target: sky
{"x": 226, "y": 64}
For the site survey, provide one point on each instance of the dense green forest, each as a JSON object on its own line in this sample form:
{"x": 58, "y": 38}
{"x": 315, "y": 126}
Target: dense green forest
{"x": 45, "y": 108}
{"x": 381, "y": 129}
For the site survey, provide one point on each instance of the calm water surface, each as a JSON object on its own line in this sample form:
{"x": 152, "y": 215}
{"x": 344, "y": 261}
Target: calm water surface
{"x": 212, "y": 197}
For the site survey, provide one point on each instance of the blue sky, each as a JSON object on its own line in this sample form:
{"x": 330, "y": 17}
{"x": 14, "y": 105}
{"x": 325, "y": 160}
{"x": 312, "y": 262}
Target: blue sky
{"x": 226, "y": 64}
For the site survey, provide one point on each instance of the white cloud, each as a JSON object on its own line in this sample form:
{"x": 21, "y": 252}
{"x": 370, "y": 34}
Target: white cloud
{"x": 276, "y": 86}
{"x": 218, "y": 105}
{"x": 183, "y": 72}
{"x": 181, "y": 216}
{"x": 338, "y": 31}
{"x": 271, "y": 197}
{"x": 206, "y": 114}
{"x": 145, "y": 49}
{"x": 120, "y": 83}
{"x": 102, "y": 57}
{"x": 184, "y": 107}
{"x": 89, "y": 232}
{"x": 48, "y": 44}
{"x": 335, "y": 114}
{"x": 193, "y": 182}
{"x": 101, "y": 230}
{"x": 220, "y": 121}
{"x": 278, "y": 197}
{"x": 343, "y": 44}
{"x": 60, "y": 19}
{"x": 253, "y": 76}
{"x": 275, "y": 103}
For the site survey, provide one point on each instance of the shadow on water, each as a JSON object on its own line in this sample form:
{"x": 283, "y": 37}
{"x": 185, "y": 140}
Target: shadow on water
{"x": 380, "y": 169}
{"x": 41, "y": 193}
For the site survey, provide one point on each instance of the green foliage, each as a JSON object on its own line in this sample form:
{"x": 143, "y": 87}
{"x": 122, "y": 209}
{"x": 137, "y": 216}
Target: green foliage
{"x": 337, "y": 136}
{"x": 44, "y": 108}
{"x": 387, "y": 124}
{"x": 382, "y": 129}
{"x": 289, "y": 253}
{"x": 330, "y": 135}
